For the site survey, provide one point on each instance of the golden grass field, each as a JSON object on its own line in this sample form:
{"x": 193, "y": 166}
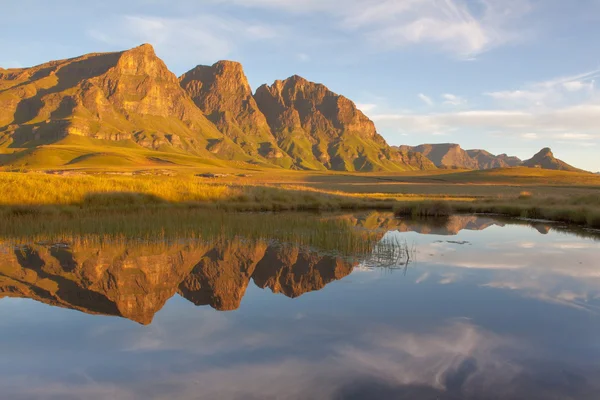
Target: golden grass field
{"x": 521, "y": 192}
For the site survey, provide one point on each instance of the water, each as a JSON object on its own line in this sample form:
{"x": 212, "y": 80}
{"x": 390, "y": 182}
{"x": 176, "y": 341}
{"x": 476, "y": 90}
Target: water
{"x": 474, "y": 308}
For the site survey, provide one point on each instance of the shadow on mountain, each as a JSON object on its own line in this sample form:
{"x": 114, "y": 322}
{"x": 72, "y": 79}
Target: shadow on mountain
{"x": 69, "y": 76}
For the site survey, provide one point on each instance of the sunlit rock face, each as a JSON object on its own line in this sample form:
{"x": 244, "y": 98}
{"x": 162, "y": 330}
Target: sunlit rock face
{"x": 320, "y": 129}
{"x": 545, "y": 159}
{"x": 132, "y": 98}
{"x": 129, "y": 95}
{"x": 223, "y": 93}
{"x": 450, "y": 155}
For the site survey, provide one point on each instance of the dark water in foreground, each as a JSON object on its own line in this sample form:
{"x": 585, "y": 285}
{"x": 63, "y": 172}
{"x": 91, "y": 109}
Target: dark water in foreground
{"x": 473, "y": 309}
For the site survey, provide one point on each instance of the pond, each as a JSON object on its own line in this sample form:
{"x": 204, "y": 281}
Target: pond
{"x": 470, "y": 307}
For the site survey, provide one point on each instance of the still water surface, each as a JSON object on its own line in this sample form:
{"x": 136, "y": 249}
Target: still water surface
{"x": 473, "y": 308}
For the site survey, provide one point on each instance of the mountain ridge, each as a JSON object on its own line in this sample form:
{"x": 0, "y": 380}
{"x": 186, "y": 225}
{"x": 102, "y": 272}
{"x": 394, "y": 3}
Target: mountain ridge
{"x": 128, "y": 108}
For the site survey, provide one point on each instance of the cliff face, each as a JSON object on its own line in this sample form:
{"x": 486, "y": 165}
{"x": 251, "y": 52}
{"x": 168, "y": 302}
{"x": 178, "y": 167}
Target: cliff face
{"x": 545, "y": 159}
{"x": 449, "y": 155}
{"x": 223, "y": 93}
{"x": 210, "y": 112}
{"x": 116, "y": 96}
{"x": 446, "y": 155}
{"x": 486, "y": 160}
{"x": 127, "y": 108}
{"x": 320, "y": 129}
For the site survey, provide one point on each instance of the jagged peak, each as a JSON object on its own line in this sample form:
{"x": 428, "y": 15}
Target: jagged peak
{"x": 546, "y": 152}
{"x": 145, "y": 48}
{"x": 297, "y": 78}
{"x": 228, "y": 64}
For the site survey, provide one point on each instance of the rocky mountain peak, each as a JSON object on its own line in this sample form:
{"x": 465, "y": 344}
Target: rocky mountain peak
{"x": 545, "y": 159}
{"x": 222, "y": 92}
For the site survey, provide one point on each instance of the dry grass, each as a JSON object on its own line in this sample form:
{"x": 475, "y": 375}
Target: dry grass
{"x": 40, "y": 195}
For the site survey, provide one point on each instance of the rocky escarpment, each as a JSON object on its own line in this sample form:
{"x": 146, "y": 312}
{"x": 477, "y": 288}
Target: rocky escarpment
{"x": 128, "y": 95}
{"x": 545, "y": 159}
{"x": 320, "y": 129}
{"x": 222, "y": 92}
{"x": 452, "y": 156}
{"x": 486, "y": 160}
{"x": 445, "y": 155}
{"x": 208, "y": 113}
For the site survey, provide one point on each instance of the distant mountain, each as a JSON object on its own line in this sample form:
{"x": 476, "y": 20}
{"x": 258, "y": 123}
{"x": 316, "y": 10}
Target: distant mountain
{"x": 486, "y": 160}
{"x": 320, "y": 129}
{"x": 445, "y": 155}
{"x": 545, "y": 159}
{"x": 449, "y": 155}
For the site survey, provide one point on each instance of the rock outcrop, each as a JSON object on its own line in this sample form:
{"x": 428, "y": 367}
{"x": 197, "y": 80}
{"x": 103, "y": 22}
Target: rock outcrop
{"x": 223, "y": 93}
{"x": 486, "y": 160}
{"x": 445, "y": 155}
{"x": 545, "y": 159}
{"x": 129, "y": 95}
{"x": 452, "y": 156}
{"x": 322, "y": 130}
{"x": 132, "y": 99}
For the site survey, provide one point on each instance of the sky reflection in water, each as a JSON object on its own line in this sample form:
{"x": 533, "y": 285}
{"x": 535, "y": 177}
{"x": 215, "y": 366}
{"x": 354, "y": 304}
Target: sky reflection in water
{"x": 503, "y": 312}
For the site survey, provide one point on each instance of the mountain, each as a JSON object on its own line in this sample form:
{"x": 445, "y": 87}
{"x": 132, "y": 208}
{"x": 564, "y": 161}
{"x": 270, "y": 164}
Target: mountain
{"x": 125, "y": 96}
{"x": 452, "y": 156}
{"x": 127, "y": 108}
{"x": 322, "y": 130}
{"x": 486, "y": 160}
{"x": 445, "y": 155}
{"x": 222, "y": 92}
{"x": 545, "y": 159}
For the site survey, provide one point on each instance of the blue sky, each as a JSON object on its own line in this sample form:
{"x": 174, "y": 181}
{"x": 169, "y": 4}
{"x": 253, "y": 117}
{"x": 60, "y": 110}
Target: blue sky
{"x": 510, "y": 76}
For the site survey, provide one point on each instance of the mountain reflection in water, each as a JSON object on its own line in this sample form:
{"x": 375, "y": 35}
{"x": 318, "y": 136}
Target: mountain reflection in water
{"x": 135, "y": 281}
{"x": 482, "y": 308}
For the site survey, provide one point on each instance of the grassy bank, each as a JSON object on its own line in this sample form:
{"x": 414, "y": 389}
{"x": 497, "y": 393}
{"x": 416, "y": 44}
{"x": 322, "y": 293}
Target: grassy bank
{"x": 41, "y": 193}
{"x": 583, "y": 211}
{"x": 36, "y": 197}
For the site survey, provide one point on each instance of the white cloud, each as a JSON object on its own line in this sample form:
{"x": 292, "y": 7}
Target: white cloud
{"x": 453, "y": 100}
{"x": 426, "y": 99}
{"x": 575, "y": 123}
{"x": 366, "y": 107}
{"x": 551, "y": 92}
{"x": 458, "y": 26}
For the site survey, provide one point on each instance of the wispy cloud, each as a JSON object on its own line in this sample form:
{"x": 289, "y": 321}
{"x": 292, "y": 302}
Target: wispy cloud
{"x": 426, "y": 99}
{"x": 366, "y": 107}
{"x": 457, "y": 26}
{"x": 453, "y": 100}
{"x": 577, "y": 122}
{"x": 550, "y": 92}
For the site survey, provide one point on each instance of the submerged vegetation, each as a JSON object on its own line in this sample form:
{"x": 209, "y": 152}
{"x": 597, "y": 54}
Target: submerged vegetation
{"x": 181, "y": 226}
